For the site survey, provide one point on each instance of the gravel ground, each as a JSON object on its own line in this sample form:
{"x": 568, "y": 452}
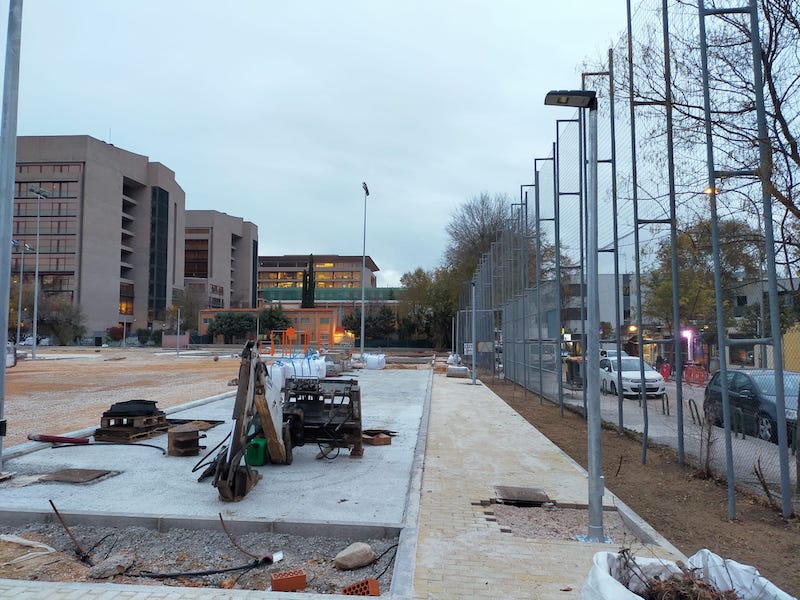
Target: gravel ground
{"x": 179, "y": 552}
{"x": 554, "y": 522}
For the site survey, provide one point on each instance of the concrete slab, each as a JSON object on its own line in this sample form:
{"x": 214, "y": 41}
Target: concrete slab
{"x": 369, "y": 490}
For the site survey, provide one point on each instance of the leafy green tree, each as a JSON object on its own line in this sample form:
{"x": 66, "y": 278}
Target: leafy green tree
{"x": 380, "y": 323}
{"x": 738, "y": 258}
{"x": 61, "y": 319}
{"x": 427, "y": 304}
{"x": 751, "y": 319}
{"x": 143, "y": 335}
{"x": 352, "y": 322}
{"x": 232, "y": 325}
{"x": 415, "y": 313}
{"x": 191, "y": 300}
{"x": 273, "y": 318}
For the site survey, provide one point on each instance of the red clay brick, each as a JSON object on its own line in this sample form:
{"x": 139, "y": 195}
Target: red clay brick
{"x": 365, "y": 587}
{"x": 289, "y": 581}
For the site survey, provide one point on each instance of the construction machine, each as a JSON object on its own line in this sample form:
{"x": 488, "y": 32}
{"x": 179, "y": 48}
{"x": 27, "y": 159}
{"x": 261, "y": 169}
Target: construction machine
{"x": 298, "y": 411}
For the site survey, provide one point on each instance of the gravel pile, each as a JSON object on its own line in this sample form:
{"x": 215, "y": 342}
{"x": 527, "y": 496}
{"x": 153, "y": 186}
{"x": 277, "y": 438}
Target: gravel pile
{"x": 180, "y": 552}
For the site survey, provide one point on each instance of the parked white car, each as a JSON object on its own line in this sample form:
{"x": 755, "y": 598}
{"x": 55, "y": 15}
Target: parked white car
{"x": 631, "y": 377}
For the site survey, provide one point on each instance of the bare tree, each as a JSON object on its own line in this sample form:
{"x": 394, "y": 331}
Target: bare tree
{"x": 732, "y": 105}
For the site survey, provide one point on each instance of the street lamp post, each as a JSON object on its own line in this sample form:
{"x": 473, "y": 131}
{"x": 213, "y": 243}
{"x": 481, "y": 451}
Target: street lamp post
{"x": 363, "y": 266}
{"x": 22, "y": 247}
{"x": 40, "y": 193}
{"x": 587, "y": 99}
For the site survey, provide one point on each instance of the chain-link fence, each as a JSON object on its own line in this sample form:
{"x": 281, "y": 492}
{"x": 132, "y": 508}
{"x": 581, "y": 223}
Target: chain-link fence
{"x": 655, "y": 211}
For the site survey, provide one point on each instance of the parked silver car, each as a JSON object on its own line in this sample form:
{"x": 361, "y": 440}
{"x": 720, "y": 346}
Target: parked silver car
{"x": 631, "y": 377}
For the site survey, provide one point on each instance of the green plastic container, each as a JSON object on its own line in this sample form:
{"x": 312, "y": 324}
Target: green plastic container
{"x": 256, "y": 454}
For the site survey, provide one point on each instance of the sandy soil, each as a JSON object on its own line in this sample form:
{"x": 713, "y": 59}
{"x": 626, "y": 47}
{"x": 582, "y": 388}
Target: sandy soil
{"x": 73, "y": 387}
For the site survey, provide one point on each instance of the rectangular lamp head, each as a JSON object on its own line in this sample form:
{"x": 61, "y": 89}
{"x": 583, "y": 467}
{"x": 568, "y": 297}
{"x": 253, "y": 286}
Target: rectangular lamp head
{"x": 574, "y": 98}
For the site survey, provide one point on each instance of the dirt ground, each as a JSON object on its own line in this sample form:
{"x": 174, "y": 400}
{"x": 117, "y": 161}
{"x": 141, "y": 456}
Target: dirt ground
{"x": 689, "y": 511}
{"x": 58, "y": 396}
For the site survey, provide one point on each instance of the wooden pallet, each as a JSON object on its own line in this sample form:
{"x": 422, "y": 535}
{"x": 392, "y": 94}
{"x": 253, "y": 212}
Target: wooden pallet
{"x": 128, "y": 434}
{"x": 135, "y": 422}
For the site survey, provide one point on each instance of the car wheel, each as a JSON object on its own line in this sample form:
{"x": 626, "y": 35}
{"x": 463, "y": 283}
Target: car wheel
{"x": 603, "y": 387}
{"x": 766, "y": 428}
{"x": 613, "y": 389}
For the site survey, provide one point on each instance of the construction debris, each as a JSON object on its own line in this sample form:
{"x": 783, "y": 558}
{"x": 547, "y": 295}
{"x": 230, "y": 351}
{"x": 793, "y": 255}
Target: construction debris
{"x": 131, "y": 420}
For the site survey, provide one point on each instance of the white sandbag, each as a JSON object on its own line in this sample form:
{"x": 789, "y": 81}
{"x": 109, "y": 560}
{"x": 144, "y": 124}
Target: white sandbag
{"x": 375, "y": 361}
{"x": 609, "y": 570}
{"x": 453, "y": 359}
{"x": 302, "y": 367}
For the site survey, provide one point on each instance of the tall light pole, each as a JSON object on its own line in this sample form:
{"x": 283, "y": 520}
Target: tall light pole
{"x": 40, "y": 193}
{"x": 363, "y": 266}
{"x": 22, "y": 247}
{"x": 584, "y": 99}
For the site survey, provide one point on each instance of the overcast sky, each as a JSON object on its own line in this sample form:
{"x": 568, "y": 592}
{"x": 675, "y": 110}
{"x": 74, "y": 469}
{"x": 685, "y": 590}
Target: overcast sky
{"x": 277, "y": 111}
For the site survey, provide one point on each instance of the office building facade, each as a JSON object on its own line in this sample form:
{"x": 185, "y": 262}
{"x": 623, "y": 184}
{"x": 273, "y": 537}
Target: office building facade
{"x": 111, "y": 229}
{"x": 221, "y": 259}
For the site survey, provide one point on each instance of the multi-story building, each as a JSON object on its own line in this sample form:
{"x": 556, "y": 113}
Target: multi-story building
{"x": 330, "y": 271}
{"x": 111, "y": 229}
{"x": 221, "y": 259}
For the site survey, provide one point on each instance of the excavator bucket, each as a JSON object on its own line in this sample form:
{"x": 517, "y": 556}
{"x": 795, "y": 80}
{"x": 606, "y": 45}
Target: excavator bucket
{"x": 242, "y": 480}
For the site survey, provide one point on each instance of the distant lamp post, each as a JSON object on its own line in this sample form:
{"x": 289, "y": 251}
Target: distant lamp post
{"x": 40, "y": 193}
{"x": 21, "y": 247}
{"x": 125, "y": 332}
{"x": 587, "y": 99}
{"x": 363, "y": 267}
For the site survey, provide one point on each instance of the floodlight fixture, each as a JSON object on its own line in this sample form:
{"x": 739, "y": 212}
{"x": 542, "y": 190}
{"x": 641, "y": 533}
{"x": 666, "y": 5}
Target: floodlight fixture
{"x": 574, "y": 98}
{"x": 39, "y": 191}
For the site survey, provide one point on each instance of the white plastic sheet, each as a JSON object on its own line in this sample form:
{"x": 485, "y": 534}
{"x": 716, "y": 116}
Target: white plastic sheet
{"x": 609, "y": 570}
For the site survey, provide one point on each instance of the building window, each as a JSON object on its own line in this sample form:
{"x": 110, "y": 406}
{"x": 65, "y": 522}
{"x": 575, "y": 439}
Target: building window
{"x": 324, "y": 321}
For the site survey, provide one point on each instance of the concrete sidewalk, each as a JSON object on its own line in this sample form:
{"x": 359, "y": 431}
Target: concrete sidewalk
{"x": 469, "y": 442}
{"x": 475, "y": 443}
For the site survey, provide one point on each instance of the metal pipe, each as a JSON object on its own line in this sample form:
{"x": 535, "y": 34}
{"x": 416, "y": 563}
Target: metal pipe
{"x": 363, "y": 267}
{"x": 593, "y": 338}
{"x": 637, "y": 261}
{"x": 8, "y": 163}
{"x": 615, "y": 220}
{"x": 673, "y": 229}
{"x": 712, "y": 197}
{"x": 765, "y": 174}
{"x": 474, "y": 327}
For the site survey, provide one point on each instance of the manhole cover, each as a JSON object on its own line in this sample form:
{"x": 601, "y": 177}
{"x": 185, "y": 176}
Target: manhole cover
{"x": 76, "y": 475}
{"x": 521, "y": 496}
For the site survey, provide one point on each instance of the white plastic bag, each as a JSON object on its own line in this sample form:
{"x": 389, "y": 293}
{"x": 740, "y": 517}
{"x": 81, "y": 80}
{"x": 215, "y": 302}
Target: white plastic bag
{"x": 609, "y": 570}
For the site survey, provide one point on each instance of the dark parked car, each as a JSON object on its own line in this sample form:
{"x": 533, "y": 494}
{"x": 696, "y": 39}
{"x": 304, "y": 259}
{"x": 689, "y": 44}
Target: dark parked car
{"x": 753, "y": 393}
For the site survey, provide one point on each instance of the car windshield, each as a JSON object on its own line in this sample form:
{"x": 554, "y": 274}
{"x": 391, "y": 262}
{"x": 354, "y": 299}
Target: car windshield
{"x": 766, "y": 383}
{"x": 632, "y": 364}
